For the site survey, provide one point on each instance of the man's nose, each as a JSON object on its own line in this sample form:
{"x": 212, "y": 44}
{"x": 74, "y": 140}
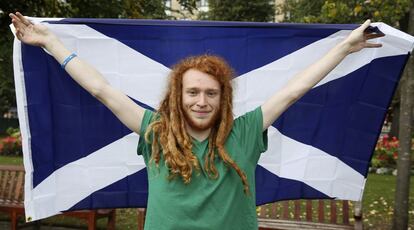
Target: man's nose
{"x": 202, "y": 100}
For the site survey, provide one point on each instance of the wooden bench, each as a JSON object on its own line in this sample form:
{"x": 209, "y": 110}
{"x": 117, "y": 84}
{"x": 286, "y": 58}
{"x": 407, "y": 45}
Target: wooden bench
{"x": 310, "y": 214}
{"x": 141, "y": 212}
{"x": 12, "y": 197}
{"x": 329, "y": 214}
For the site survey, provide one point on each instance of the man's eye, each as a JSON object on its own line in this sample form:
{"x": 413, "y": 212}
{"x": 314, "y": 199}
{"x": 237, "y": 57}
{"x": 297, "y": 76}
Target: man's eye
{"x": 192, "y": 93}
{"x": 211, "y": 94}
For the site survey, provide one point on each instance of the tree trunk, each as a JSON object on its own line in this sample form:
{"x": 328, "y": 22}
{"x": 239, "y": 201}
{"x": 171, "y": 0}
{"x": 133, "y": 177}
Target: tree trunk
{"x": 395, "y": 120}
{"x": 401, "y": 206}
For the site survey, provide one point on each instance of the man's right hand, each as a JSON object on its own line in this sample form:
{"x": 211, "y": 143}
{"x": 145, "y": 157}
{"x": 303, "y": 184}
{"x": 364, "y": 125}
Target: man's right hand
{"x": 29, "y": 33}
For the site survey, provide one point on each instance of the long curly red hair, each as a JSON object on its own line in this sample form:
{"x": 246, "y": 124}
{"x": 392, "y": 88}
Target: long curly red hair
{"x": 169, "y": 135}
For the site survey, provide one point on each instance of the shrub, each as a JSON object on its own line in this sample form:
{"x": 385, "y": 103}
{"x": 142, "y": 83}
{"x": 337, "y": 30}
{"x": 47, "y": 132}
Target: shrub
{"x": 11, "y": 144}
{"x": 386, "y": 152}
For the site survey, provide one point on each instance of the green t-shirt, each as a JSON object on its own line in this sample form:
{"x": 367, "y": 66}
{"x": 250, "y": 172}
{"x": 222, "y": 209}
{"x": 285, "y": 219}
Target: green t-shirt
{"x": 207, "y": 203}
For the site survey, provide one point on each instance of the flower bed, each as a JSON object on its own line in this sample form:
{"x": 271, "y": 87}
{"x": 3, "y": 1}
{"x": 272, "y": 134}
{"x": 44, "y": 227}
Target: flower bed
{"x": 386, "y": 152}
{"x": 11, "y": 145}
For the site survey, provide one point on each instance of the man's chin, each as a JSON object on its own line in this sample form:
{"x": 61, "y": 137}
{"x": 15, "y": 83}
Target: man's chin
{"x": 200, "y": 126}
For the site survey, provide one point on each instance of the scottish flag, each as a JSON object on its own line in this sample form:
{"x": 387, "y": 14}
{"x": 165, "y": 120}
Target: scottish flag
{"x": 77, "y": 155}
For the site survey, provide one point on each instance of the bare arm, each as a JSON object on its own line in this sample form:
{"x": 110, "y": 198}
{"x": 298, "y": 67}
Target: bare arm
{"x": 127, "y": 111}
{"x": 306, "y": 79}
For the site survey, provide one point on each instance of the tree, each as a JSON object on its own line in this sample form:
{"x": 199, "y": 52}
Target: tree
{"x": 401, "y": 205}
{"x": 240, "y": 10}
{"x": 154, "y": 9}
{"x": 95, "y": 8}
{"x": 335, "y": 11}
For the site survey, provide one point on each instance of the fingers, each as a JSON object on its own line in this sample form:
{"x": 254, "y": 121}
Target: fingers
{"x": 19, "y": 21}
{"x": 372, "y": 45}
{"x": 372, "y": 35}
{"x": 19, "y": 34}
{"x": 23, "y": 19}
{"x": 365, "y": 25}
{"x": 14, "y": 17}
{"x": 369, "y": 33}
{"x": 18, "y": 24}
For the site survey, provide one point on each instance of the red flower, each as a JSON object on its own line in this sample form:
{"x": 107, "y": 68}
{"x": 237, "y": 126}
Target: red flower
{"x": 382, "y": 157}
{"x": 9, "y": 140}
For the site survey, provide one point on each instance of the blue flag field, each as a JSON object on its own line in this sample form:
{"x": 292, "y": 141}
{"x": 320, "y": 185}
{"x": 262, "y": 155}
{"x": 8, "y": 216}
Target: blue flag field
{"x": 77, "y": 154}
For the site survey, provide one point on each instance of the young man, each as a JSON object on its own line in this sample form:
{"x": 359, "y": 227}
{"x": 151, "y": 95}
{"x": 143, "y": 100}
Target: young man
{"x": 200, "y": 161}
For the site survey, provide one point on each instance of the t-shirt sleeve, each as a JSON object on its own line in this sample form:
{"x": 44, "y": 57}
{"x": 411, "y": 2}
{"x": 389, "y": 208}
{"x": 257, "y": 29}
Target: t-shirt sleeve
{"x": 144, "y": 148}
{"x": 251, "y": 134}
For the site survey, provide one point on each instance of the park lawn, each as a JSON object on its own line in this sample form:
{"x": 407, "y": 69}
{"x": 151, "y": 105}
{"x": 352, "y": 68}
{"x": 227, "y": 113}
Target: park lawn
{"x": 378, "y": 202}
{"x": 10, "y": 160}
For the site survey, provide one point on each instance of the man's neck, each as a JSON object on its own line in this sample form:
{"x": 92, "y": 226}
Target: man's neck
{"x": 199, "y": 135}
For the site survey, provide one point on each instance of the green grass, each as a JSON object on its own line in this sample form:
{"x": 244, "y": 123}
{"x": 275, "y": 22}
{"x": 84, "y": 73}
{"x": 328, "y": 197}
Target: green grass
{"x": 378, "y": 203}
{"x": 9, "y": 160}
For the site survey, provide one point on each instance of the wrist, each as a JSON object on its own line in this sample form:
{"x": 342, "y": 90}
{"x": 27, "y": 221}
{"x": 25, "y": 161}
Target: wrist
{"x": 345, "y": 47}
{"x": 51, "y": 42}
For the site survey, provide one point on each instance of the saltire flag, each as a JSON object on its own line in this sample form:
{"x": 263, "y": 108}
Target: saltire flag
{"x": 77, "y": 154}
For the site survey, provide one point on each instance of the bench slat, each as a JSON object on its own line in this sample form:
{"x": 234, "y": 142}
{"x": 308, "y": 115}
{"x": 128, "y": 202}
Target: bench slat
{"x": 345, "y": 215}
{"x": 274, "y": 212}
{"x": 11, "y": 185}
{"x": 321, "y": 211}
{"x": 309, "y": 210}
{"x": 297, "y": 210}
{"x": 5, "y": 179}
{"x": 11, "y": 168}
{"x": 263, "y": 210}
{"x": 19, "y": 187}
{"x": 333, "y": 212}
{"x": 286, "y": 209}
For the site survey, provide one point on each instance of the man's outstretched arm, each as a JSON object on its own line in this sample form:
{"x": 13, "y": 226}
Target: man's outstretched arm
{"x": 306, "y": 79}
{"x": 127, "y": 111}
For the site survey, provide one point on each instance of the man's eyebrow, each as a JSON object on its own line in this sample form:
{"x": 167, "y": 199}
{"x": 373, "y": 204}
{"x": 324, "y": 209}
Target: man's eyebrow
{"x": 214, "y": 90}
{"x": 192, "y": 88}
{"x": 198, "y": 88}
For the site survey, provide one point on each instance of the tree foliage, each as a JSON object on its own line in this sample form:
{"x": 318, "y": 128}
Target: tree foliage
{"x": 240, "y": 10}
{"x": 95, "y": 9}
{"x": 148, "y": 9}
{"x": 334, "y": 11}
{"x": 117, "y": 9}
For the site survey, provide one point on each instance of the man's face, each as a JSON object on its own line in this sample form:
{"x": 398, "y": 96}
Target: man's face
{"x": 201, "y": 99}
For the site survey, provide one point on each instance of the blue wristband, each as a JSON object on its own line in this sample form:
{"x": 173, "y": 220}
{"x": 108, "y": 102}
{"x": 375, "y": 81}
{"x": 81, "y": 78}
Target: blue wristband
{"x": 67, "y": 60}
